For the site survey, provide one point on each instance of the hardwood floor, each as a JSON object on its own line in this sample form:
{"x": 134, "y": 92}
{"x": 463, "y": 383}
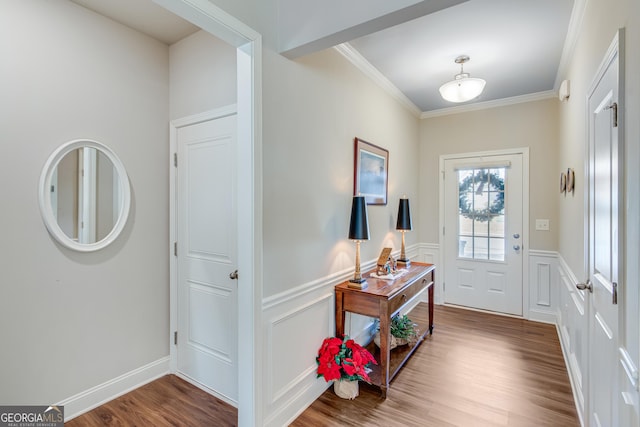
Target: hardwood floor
{"x": 168, "y": 401}
{"x": 477, "y": 369}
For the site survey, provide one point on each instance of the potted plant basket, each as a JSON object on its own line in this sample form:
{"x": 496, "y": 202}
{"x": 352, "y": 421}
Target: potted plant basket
{"x": 403, "y": 332}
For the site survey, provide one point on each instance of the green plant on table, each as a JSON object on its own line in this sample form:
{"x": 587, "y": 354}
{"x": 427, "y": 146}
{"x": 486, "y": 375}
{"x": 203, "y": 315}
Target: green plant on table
{"x": 404, "y": 328}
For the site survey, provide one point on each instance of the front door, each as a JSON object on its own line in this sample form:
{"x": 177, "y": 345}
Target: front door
{"x": 207, "y": 255}
{"x": 483, "y": 232}
{"x": 605, "y": 238}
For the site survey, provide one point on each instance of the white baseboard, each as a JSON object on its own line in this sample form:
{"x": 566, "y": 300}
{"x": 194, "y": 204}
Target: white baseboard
{"x": 542, "y": 317}
{"x": 95, "y": 396}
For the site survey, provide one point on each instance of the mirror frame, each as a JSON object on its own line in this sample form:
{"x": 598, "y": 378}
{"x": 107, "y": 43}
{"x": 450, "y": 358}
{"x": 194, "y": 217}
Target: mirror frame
{"x": 44, "y": 195}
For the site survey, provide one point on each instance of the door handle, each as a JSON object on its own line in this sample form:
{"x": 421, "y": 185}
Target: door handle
{"x": 516, "y": 236}
{"x": 588, "y": 285}
{"x": 234, "y": 275}
{"x": 516, "y": 247}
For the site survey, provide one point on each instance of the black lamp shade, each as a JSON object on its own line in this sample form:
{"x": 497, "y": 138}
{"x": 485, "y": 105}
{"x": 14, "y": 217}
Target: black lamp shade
{"x": 359, "y": 225}
{"x": 404, "y": 216}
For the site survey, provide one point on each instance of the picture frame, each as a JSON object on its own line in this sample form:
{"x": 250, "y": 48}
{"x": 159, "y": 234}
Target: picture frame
{"x": 384, "y": 257}
{"x": 563, "y": 182}
{"x": 371, "y": 172}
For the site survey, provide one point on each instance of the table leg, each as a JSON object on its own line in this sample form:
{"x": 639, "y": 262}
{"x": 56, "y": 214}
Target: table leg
{"x": 340, "y": 316}
{"x": 431, "y": 298}
{"x": 385, "y": 339}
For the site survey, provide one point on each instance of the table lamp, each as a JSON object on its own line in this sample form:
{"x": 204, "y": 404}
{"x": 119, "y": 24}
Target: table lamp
{"x": 358, "y": 231}
{"x": 403, "y": 224}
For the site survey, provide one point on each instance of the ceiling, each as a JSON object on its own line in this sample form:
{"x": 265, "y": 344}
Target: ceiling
{"x": 144, "y": 16}
{"x": 518, "y": 46}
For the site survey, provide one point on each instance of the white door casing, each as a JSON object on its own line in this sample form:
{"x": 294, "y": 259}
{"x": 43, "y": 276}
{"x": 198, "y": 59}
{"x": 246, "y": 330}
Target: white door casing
{"x": 494, "y": 283}
{"x": 248, "y": 43}
{"x": 206, "y": 218}
{"x": 605, "y": 241}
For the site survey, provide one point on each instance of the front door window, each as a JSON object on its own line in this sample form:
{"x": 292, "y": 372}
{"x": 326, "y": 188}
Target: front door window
{"x": 481, "y": 214}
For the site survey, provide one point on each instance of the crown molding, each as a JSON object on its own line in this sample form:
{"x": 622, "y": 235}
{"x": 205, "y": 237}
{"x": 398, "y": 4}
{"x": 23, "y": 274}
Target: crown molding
{"x": 359, "y": 61}
{"x": 575, "y": 23}
{"x": 490, "y": 104}
{"x": 353, "y": 56}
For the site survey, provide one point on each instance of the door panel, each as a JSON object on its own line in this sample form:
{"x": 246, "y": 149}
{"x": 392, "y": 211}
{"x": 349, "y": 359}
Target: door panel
{"x": 603, "y": 247}
{"x": 482, "y": 232}
{"x": 207, "y": 255}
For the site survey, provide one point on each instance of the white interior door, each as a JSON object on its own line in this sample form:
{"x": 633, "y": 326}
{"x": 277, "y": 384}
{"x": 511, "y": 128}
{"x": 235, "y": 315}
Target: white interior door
{"x": 207, "y": 255}
{"x": 483, "y": 232}
{"x": 605, "y": 174}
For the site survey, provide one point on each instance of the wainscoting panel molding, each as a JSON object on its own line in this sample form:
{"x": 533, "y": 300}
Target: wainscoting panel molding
{"x": 293, "y": 335}
{"x": 543, "y": 286}
{"x": 572, "y": 324}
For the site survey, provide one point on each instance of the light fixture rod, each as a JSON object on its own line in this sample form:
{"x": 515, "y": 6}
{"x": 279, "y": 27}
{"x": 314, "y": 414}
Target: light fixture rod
{"x": 462, "y": 59}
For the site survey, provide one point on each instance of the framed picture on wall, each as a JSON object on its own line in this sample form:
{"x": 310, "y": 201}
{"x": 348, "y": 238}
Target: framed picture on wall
{"x": 371, "y": 172}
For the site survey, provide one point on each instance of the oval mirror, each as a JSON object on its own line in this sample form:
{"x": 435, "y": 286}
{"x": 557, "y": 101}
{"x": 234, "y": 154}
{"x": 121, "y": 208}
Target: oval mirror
{"x": 84, "y": 195}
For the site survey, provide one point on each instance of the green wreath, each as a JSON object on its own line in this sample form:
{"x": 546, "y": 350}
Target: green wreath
{"x": 482, "y": 177}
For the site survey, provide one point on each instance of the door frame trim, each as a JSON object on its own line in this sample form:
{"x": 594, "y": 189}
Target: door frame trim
{"x": 248, "y": 43}
{"x": 524, "y": 151}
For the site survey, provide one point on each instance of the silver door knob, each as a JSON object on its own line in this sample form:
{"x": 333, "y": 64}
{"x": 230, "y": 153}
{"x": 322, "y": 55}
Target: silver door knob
{"x": 588, "y": 285}
{"x": 516, "y": 247}
{"x": 234, "y": 275}
{"x": 516, "y": 236}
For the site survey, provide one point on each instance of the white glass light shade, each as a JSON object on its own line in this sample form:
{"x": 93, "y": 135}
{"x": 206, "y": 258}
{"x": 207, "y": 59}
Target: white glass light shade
{"x": 463, "y": 88}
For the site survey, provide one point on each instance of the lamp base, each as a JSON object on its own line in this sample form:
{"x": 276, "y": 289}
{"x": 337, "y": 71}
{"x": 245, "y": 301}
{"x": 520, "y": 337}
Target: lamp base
{"x": 404, "y": 263}
{"x": 358, "y": 283}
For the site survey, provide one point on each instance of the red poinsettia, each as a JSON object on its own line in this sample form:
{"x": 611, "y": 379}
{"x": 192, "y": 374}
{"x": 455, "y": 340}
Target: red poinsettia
{"x": 343, "y": 360}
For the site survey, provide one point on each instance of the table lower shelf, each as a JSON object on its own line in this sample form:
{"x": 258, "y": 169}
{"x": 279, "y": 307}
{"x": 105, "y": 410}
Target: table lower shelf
{"x": 399, "y": 355}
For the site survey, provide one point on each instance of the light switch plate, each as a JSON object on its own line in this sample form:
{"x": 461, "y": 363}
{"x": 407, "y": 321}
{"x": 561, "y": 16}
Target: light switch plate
{"x": 542, "y": 225}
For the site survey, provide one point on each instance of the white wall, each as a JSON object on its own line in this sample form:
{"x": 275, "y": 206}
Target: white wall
{"x": 530, "y": 124}
{"x": 71, "y": 321}
{"x": 202, "y": 75}
{"x": 602, "y": 19}
{"x": 313, "y": 109}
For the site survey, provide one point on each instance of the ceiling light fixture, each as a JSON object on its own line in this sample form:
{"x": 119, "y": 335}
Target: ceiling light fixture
{"x": 462, "y": 88}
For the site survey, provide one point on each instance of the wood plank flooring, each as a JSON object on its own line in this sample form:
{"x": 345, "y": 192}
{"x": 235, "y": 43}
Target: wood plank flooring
{"x": 476, "y": 370}
{"x": 168, "y": 401}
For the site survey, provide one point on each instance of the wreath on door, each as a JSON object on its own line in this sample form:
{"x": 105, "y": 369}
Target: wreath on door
{"x": 481, "y": 177}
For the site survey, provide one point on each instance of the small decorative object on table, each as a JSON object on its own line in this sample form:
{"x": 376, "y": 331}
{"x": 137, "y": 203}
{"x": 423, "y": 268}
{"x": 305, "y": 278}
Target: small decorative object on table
{"x": 344, "y": 362}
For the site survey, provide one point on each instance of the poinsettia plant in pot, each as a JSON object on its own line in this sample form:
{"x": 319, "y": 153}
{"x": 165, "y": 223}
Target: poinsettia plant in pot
{"x": 345, "y": 362}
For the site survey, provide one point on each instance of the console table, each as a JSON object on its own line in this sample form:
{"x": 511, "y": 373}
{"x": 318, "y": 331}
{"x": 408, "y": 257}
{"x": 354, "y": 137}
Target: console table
{"x": 383, "y": 298}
